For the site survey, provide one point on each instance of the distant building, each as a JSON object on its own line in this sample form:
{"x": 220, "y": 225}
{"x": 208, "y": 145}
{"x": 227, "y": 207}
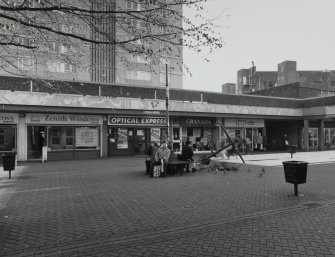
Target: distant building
{"x": 251, "y": 80}
{"x": 299, "y": 90}
{"x": 229, "y": 88}
{"x": 94, "y": 62}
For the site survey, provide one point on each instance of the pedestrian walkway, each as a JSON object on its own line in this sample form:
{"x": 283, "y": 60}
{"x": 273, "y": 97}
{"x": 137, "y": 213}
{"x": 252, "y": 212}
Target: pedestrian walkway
{"x": 276, "y": 159}
{"x": 109, "y": 207}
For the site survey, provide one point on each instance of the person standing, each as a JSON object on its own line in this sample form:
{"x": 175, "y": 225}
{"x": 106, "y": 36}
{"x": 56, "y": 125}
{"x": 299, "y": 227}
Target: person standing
{"x": 259, "y": 141}
{"x": 151, "y": 151}
{"x": 285, "y": 143}
{"x": 247, "y": 145}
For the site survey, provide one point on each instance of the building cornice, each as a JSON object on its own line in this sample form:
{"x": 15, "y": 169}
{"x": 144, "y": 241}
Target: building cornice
{"x": 29, "y": 101}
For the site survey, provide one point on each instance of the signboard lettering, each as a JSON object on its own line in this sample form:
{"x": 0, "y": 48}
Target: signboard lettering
{"x": 9, "y": 118}
{"x": 155, "y": 121}
{"x": 63, "y": 119}
{"x": 199, "y": 121}
{"x": 246, "y": 123}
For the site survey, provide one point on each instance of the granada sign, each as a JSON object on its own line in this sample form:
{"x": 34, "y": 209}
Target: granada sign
{"x": 136, "y": 121}
{"x": 199, "y": 121}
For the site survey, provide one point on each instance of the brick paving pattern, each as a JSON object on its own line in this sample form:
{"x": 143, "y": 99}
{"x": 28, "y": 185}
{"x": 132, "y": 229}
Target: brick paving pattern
{"x": 110, "y": 208}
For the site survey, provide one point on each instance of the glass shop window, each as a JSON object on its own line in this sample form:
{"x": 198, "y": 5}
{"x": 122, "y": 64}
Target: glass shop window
{"x": 7, "y": 138}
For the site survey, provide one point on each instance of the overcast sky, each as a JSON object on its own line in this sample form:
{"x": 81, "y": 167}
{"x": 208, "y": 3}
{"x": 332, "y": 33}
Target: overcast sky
{"x": 266, "y": 32}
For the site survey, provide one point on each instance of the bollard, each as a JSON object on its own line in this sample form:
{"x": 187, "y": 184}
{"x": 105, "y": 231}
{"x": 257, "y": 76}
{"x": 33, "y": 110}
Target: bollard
{"x": 292, "y": 150}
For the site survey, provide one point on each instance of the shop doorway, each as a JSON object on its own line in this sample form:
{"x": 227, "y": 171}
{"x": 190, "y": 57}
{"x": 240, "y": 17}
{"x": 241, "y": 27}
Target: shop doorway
{"x": 141, "y": 140}
{"x": 255, "y": 135}
{"x": 120, "y": 141}
{"x": 128, "y": 141}
{"x": 36, "y": 138}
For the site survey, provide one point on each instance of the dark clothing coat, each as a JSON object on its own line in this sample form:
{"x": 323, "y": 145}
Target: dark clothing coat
{"x": 186, "y": 153}
{"x": 149, "y": 151}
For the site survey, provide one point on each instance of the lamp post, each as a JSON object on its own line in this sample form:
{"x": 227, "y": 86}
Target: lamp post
{"x": 167, "y": 138}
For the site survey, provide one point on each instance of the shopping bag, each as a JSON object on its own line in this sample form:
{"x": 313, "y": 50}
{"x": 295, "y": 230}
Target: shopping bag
{"x": 157, "y": 170}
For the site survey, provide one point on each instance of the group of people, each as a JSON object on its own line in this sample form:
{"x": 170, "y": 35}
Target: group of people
{"x": 157, "y": 155}
{"x": 243, "y": 145}
{"x": 163, "y": 153}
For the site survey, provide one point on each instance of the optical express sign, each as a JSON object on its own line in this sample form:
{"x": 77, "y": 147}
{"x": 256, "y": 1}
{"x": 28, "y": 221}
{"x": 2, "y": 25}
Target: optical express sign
{"x": 136, "y": 121}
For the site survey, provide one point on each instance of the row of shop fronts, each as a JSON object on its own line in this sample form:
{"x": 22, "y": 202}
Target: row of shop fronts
{"x": 34, "y": 136}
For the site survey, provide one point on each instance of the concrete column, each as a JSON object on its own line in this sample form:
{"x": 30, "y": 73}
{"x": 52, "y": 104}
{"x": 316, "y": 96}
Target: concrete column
{"x": 321, "y": 135}
{"x": 305, "y": 145}
{"x": 219, "y": 139}
{"x": 264, "y": 130}
{"x": 22, "y": 139}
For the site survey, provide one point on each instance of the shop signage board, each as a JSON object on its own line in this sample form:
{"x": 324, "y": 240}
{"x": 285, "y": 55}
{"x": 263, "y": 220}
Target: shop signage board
{"x": 152, "y": 112}
{"x": 198, "y": 122}
{"x": 243, "y": 123}
{"x": 9, "y": 118}
{"x": 54, "y": 119}
{"x": 136, "y": 121}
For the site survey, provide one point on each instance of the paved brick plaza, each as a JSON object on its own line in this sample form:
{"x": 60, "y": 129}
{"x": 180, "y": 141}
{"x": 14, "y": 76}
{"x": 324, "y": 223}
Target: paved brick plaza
{"x": 110, "y": 208}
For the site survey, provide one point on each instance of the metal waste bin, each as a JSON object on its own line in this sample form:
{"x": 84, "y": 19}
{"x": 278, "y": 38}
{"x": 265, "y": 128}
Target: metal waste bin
{"x": 295, "y": 173}
{"x": 8, "y": 162}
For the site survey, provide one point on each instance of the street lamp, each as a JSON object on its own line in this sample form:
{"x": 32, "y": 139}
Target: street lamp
{"x": 167, "y": 138}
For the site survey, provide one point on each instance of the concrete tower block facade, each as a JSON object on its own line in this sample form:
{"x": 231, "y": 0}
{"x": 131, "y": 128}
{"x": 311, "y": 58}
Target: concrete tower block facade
{"x": 287, "y": 73}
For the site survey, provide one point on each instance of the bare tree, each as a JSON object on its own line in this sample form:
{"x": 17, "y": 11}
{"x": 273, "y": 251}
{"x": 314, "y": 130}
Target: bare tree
{"x": 38, "y": 32}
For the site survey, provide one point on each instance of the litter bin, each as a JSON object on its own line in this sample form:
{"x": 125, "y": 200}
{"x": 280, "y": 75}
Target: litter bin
{"x": 295, "y": 173}
{"x": 8, "y": 162}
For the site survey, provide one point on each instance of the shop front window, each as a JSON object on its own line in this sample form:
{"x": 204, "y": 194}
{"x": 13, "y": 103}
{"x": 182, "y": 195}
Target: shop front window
{"x": 69, "y": 136}
{"x": 313, "y": 137}
{"x": 7, "y": 138}
{"x": 176, "y": 134}
{"x": 87, "y": 137}
{"x": 73, "y": 137}
{"x": 329, "y": 138}
{"x": 189, "y": 132}
{"x": 55, "y": 138}
{"x": 200, "y": 137}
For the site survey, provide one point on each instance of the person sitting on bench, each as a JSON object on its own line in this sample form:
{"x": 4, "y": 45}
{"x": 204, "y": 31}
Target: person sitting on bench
{"x": 187, "y": 153}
